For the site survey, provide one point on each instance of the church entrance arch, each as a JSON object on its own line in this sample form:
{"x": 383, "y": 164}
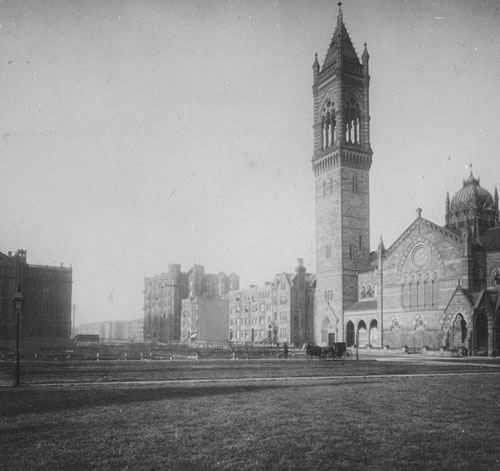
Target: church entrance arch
{"x": 350, "y": 337}
{"x": 373, "y": 334}
{"x": 482, "y": 335}
{"x": 458, "y": 333}
{"x": 328, "y": 334}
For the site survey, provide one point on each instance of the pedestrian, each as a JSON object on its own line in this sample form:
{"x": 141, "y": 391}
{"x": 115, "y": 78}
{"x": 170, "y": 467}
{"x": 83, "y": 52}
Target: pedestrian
{"x": 285, "y": 351}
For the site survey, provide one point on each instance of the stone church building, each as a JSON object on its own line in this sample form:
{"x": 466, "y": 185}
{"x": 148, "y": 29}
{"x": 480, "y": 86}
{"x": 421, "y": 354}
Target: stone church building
{"x": 436, "y": 286}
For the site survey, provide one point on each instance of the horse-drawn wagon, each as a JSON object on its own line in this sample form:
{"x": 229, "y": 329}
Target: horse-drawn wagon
{"x": 335, "y": 351}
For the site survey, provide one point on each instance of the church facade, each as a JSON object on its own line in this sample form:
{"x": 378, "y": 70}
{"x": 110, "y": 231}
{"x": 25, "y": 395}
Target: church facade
{"x": 436, "y": 287}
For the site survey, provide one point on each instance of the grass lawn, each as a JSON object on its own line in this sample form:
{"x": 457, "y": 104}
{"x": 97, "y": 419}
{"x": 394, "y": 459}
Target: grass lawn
{"x": 40, "y": 372}
{"x": 386, "y": 423}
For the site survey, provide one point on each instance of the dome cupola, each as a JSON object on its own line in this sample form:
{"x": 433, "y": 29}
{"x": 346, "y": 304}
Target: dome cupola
{"x": 472, "y": 208}
{"x": 471, "y": 196}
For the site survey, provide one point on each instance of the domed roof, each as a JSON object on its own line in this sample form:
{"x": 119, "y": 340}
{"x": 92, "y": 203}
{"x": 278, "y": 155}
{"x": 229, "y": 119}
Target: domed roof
{"x": 471, "y": 196}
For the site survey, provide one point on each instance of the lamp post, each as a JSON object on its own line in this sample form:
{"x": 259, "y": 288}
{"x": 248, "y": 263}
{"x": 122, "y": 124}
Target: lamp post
{"x": 18, "y": 301}
{"x": 357, "y": 342}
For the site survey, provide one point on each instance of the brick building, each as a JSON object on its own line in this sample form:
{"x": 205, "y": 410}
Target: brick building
{"x": 47, "y": 299}
{"x": 205, "y": 318}
{"x": 162, "y": 304}
{"x": 163, "y": 295}
{"x": 435, "y": 286}
{"x": 278, "y": 312}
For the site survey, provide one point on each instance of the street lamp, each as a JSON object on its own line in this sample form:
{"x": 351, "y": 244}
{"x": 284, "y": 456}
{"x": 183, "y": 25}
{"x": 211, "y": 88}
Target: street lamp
{"x": 357, "y": 342}
{"x": 18, "y": 301}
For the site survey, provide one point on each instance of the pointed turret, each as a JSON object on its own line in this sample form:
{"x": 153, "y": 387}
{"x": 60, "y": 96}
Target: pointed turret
{"x": 365, "y": 59}
{"x": 381, "y": 248}
{"x": 316, "y": 68}
{"x": 496, "y": 199}
{"x": 447, "y": 213}
{"x": 340, "y": 16}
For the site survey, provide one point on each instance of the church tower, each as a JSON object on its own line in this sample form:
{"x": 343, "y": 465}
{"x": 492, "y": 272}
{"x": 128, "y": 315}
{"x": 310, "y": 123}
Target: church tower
{"x": 341, "y": 163}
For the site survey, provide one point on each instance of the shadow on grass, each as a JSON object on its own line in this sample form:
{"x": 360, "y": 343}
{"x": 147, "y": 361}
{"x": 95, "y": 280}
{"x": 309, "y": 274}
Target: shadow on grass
{"x": 17, "y": 401}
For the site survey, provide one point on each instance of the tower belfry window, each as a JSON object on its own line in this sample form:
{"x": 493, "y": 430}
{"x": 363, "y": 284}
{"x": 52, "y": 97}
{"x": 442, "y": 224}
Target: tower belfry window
{"x": 328, "y": 125}
{"x": 353, "y": 123}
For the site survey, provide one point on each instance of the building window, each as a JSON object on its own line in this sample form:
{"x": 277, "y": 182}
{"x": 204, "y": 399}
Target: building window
{"x": 328, "y": 251}
{"x": 355, "y": 188}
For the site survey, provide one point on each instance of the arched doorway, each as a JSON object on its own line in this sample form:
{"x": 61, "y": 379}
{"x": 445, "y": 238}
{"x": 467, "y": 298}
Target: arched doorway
{"x": 481, "y": 337}
{"x": 328, "y": 332}
{"x": 373, "y": 334}
{"x": 350, "y": 337}
{"x": 362, "y": 334}
{"x": 458, "y": 333}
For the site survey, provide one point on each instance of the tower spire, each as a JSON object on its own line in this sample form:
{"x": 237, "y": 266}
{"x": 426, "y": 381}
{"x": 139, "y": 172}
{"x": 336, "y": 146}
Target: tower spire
{"x": 341, "y": 151}
{"x": 381, "y": 247}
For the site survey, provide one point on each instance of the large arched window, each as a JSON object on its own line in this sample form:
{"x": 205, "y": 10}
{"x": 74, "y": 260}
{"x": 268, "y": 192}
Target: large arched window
{"x": 419, "y": 290}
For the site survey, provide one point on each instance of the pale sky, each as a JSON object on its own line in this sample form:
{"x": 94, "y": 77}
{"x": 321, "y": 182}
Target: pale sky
{"x": 139, "y": 133}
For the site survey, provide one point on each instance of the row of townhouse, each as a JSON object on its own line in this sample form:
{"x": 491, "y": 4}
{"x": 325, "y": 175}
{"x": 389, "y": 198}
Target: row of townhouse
{"x": 281, "y": 311}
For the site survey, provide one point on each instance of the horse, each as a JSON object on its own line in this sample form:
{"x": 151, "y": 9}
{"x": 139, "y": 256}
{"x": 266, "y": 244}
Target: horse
{"x": 313, "y": 351}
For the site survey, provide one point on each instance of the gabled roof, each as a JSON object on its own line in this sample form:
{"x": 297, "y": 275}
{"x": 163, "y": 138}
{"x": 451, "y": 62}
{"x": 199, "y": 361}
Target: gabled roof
{"x": 467, "y": 296}
{"x": 420, "y": 221}
{"x": 287, "y": 276}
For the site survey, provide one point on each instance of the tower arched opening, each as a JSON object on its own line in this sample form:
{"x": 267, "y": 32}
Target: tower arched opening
{"x": 328, "y": 125}
{"x": 350, "y": 336}
{"x": 373, "y": 337}
{"x": 362, "y": 334}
